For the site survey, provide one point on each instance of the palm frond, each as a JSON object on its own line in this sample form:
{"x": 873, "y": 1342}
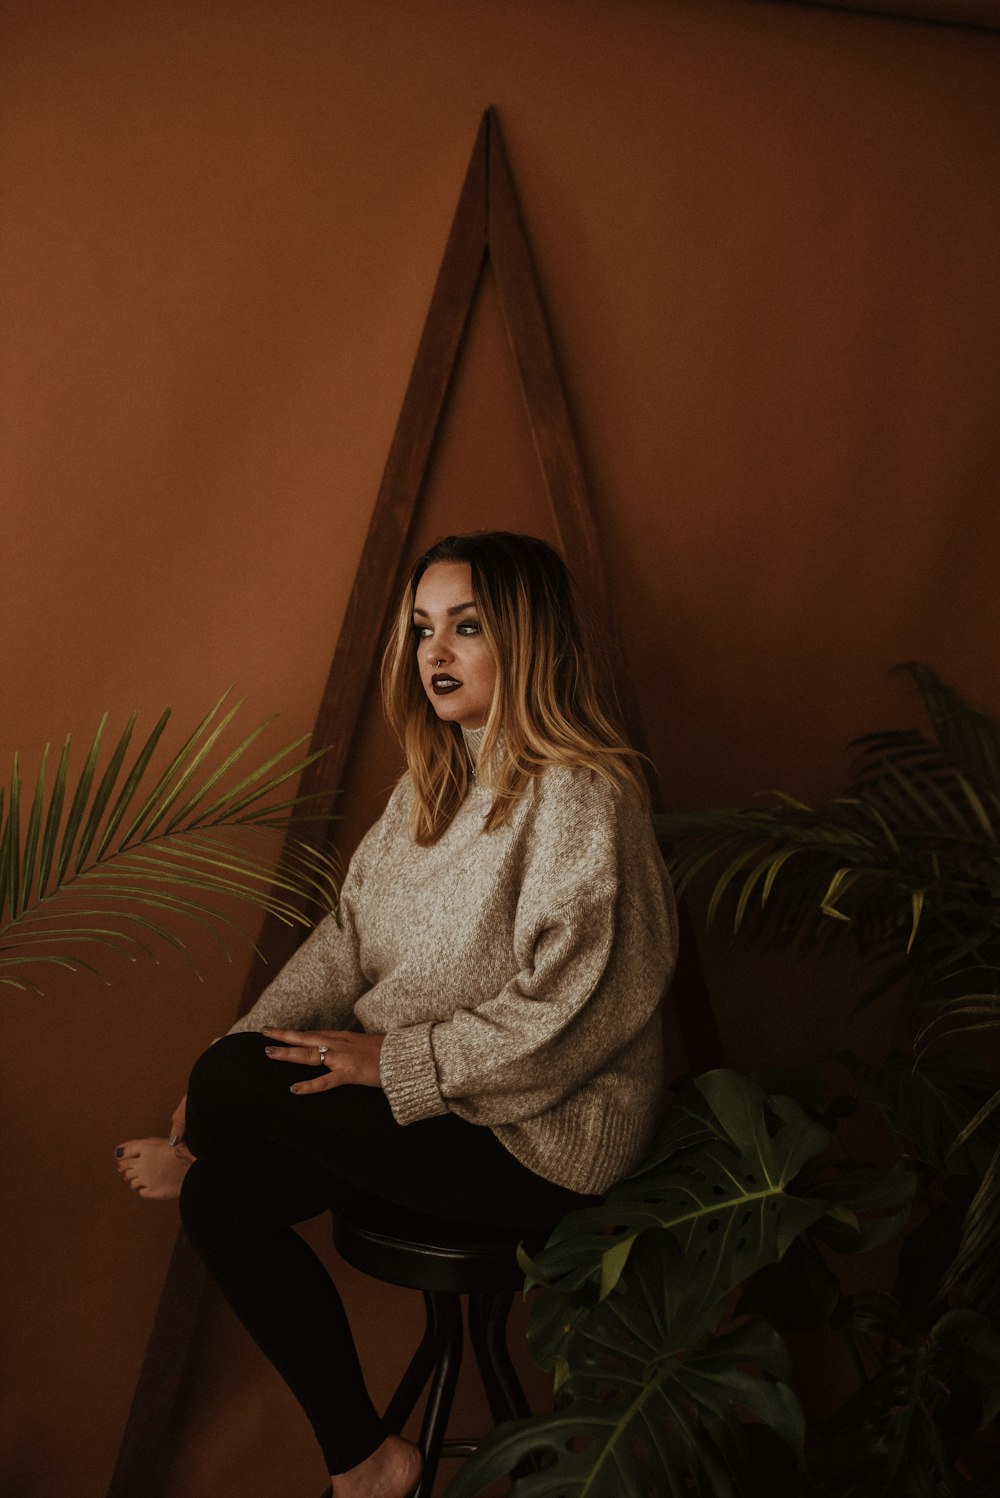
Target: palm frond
{"x": 120, "y": 852}
{"x": 969, "y": 736}
{"x": 975, "y": 1273}
{"x": 906, "y": 863}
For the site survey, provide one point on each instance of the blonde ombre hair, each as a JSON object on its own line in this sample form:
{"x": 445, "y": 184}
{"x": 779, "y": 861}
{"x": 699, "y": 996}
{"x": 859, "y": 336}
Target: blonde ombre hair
{"x": 547, "y": 708}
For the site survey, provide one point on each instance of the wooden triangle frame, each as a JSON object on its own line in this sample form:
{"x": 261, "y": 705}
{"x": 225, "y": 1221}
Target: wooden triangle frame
{"x": 487, "y": 224}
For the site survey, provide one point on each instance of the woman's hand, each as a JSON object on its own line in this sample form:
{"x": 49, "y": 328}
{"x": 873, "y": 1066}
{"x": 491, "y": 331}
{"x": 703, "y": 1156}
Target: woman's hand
{"x": 350, "y": 1056}
{"x": 178, "y": 1130}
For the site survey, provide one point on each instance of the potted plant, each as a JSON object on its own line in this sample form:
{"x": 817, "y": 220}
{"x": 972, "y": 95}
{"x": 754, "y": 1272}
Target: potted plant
{"x": 125, "y": 854}
{"x": 837, "y": 1210}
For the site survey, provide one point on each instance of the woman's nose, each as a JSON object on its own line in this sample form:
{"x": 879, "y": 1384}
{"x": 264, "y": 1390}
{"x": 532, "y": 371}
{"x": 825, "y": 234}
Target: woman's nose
{"x": 437, "y": 654}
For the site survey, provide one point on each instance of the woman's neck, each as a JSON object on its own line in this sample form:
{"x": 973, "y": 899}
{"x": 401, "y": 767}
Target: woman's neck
{"x": 473, "y": 745}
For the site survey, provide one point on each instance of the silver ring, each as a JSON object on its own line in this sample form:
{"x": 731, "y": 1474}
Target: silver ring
{"x": 322, "y": 1054}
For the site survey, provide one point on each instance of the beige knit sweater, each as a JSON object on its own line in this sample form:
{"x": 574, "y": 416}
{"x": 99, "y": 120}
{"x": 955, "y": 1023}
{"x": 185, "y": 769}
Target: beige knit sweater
{"x": 515, "y": 974}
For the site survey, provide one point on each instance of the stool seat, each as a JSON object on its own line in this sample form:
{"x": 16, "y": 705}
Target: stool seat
{"x": 408, "y": 1248}
{"x": 444, "y": 1260}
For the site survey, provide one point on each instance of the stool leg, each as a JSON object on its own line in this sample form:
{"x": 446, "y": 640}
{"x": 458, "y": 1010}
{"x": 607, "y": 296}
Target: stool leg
{"x": 412, "y": 1383}
{"x": 488, "y": 1329}
{"x": 447, "y": 1311}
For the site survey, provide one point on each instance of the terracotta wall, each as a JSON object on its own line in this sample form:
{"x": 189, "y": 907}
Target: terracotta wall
{"x": 767, "y": 236}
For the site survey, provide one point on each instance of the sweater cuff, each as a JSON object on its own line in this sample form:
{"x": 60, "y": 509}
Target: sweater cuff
{"x": 409, "y": 1076}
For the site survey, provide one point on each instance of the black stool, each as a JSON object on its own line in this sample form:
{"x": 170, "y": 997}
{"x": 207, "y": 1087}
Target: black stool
{"x": 444, "y": 1260}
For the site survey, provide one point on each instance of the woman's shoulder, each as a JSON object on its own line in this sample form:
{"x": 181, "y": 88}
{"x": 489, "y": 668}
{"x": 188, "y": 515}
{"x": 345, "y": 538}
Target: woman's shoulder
{"x": 563, "y": 789}
{"x": 597, "y": 834}
{"x": 579, "y": 816}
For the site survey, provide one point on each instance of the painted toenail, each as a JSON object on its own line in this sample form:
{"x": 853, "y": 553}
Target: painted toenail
{"x": 119, "y": 1152}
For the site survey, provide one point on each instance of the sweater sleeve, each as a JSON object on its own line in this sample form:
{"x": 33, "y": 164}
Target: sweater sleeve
{"x": 320, "y": 983}
{"x": 592, "y": 970}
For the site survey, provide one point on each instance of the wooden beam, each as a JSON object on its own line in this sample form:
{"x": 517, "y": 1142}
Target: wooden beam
{"x": 975, "y": 15}
{"x": 548, "y": 416}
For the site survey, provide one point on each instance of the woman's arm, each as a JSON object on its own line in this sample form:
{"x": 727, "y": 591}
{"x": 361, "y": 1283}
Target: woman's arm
{"x": 593, "y": 942}
{"x": 319, "y": 984}
{"x": 598, "y": 971}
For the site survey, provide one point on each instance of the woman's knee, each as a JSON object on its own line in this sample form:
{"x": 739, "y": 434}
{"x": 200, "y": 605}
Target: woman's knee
{"x": 228, "y": 1057}
{"x": 227, "y": 1084}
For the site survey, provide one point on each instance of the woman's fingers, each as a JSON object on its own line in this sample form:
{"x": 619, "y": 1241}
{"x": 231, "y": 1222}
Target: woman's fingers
{"x": 348, "y": 1056}
{"x": 301, "y": 1055}
{"x": 305, "y": 1048}
{"x": 178, "y": 1121}
{"x": 306, "y": 1037}
{"x": 310, "y": 1047}
{"x": 317, "y": 1084}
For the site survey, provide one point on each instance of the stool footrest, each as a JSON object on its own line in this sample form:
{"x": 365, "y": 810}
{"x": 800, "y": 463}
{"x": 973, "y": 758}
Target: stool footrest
{"x": 458, "y": 1447}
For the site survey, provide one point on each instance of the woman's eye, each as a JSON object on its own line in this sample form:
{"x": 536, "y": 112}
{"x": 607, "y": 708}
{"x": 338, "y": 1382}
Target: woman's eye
{"x": 466, "y": 627}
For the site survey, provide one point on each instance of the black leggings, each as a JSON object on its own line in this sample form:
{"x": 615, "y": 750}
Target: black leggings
{"x": 267, "y": 1158}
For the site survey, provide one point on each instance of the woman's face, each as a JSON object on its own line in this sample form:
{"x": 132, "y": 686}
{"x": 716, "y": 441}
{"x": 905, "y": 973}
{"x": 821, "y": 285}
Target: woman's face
{"x": 456, "y": 669}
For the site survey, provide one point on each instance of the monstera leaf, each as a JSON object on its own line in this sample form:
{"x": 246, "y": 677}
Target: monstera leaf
{"x": 116, "y": 858}
{"x": 720, "y": 1184}
{"x": 653, "y": 1394}
{"x": 653, "y": 1406}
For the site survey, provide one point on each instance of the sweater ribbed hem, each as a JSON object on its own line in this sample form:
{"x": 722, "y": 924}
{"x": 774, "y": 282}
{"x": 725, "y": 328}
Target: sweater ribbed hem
{"x": 409, "y": 1076}
{"x": 558, "y": 1147}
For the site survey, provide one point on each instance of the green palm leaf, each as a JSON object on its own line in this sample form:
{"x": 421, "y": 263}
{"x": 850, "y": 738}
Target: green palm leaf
{"x": 969, "y": 736}
{"x": 975, "y": 1273}
{"x": 76, "y": 808}
{"x": 132, "y": 781}
{"x": 930, "y": 1105}
{"x": 110, "y": 859}
{"x": 906, "y": 863}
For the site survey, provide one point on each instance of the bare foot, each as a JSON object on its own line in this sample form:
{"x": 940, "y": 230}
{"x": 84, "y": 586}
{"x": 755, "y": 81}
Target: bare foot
{"x": 151, "y": 1167}
{"x": 392, "y": 1471}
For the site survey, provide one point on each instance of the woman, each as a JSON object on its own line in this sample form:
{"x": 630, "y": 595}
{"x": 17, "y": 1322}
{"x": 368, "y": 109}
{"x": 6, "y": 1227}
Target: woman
{"x": 504, "y": 936}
